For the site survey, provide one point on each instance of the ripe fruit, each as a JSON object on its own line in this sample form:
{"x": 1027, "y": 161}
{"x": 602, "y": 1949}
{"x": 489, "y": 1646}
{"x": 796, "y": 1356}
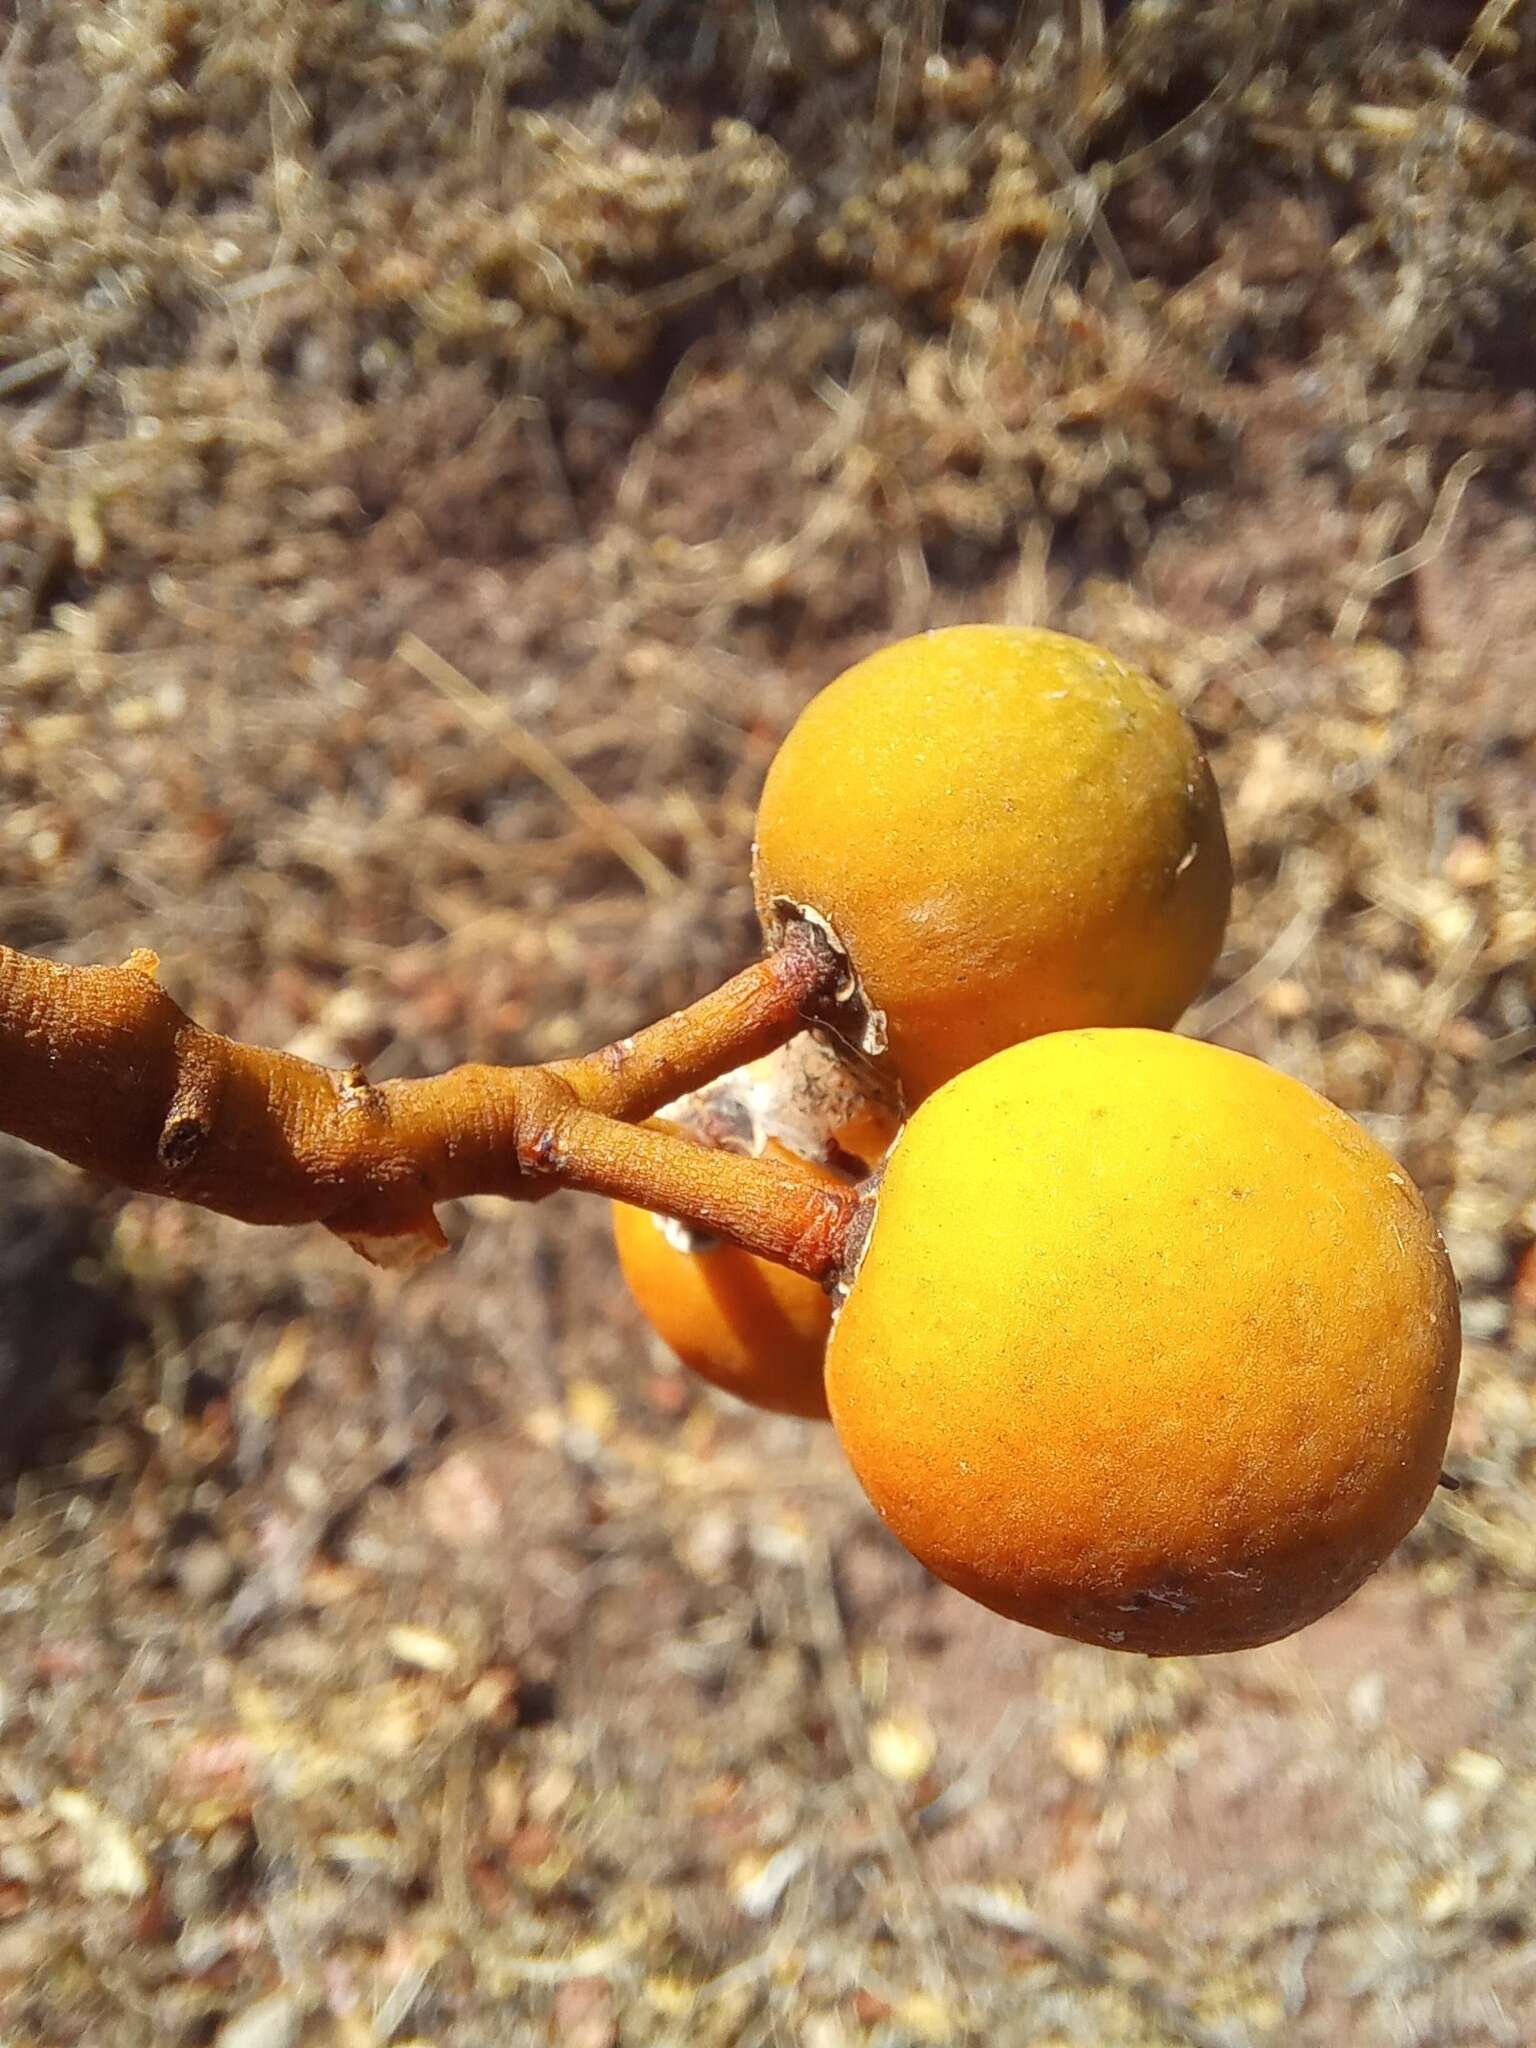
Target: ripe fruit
{"x": 1150, "y": 1345}
{"x": 754, "y": 1328}
{"x": 1009, "y": 832}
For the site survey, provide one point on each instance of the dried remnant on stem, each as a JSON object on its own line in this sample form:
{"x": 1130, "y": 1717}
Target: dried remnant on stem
{"x": 100, "y": 1066}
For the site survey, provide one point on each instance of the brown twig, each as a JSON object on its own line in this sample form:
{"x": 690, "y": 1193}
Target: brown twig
{"x": 771, "y": 1205}
{"x": 101, "y": 1067}
{"x": 754, "y": 1013}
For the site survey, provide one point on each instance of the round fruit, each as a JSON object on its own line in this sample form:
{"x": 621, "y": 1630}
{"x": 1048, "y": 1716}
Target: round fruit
{"x": 1150, "y": 1345}
{"x": 757, "y": 1330}
{"x": 1009, "y": 832}
{"x": 751, "y": 1327}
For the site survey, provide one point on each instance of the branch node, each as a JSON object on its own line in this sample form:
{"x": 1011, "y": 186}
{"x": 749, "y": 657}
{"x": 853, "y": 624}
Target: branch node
{"x": 188, "y": 1121}
{"x": 542, "y": 1153}
{"x": 357, "y": 1095}
{"x": 181, "y": 1139}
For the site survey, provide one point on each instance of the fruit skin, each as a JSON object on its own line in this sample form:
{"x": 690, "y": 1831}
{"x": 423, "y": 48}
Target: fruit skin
{"x": 1150, "y": 1345}
{"x": 755, "y": 1329}
{"x": 1010, "y": 832}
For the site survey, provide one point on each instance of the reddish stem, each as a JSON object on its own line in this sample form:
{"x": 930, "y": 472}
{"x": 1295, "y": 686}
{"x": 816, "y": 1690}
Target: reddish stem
{"x": 773, "y": 1207}
{"x": 100, "y": 1066}
{"x": 753, "y": 1013}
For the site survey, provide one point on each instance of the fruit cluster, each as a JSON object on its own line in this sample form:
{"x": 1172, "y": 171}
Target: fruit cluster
{"x": 1143, "y": 1343}
{"x": 1126, "y": 1336}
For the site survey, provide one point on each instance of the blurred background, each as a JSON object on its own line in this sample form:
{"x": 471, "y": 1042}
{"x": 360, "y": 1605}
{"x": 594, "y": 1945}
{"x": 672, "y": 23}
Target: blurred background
{"x": 394, "y": 390}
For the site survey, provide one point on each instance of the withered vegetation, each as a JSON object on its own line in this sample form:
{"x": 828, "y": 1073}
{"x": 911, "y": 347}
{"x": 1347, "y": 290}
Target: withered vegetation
{"x": 425, "y": 1661}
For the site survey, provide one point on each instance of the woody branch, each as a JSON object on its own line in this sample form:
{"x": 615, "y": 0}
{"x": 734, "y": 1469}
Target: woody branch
{"x": 100, "y": 1066}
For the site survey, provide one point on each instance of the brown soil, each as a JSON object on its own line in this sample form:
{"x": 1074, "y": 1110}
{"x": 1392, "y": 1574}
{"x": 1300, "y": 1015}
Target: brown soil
{"x": 408, "y": 1661}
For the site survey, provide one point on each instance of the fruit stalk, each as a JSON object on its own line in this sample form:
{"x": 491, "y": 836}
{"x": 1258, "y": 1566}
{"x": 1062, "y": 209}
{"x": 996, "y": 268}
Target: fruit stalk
{"x": 100, "y": 1066}
{"x": 752, "y": 1014}
{"x": 772, "y": 1207}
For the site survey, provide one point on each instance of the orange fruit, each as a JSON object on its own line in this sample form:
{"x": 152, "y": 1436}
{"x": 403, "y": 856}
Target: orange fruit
{"x": 1149, "y": 1346}
{"x": 743, "y": 1323}
{"x": 1008, "y": 832}
{"x": 755, "y": 1329}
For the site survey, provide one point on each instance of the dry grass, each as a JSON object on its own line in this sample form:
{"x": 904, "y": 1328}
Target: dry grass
{"x": 427, "y": 1662}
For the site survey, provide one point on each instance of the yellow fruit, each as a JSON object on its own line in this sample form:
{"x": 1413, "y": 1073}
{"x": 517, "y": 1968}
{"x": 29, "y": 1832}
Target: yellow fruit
{"x": 751, "y": 1327}
{"x": 1009, "y": 832}
{"x": 1150, "y": 1345}
{"x": 757, "y": 1330}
